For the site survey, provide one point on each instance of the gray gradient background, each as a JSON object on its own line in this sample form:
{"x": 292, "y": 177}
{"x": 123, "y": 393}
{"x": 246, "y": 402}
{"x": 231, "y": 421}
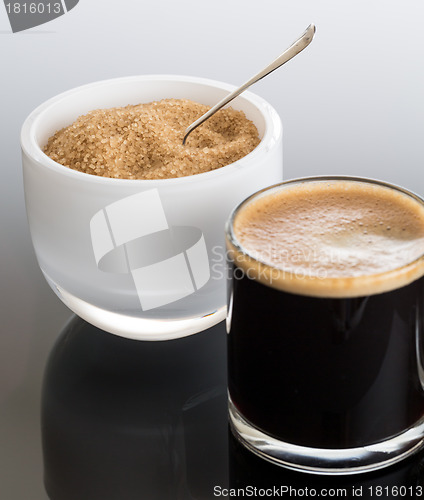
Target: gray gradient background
{"x": 352, "y": 103}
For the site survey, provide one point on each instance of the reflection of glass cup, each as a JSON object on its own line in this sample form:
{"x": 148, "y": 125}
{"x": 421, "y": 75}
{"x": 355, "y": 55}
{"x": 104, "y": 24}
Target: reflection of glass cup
{"x": 140, "y": 258}
{"x": 326, "y": 372}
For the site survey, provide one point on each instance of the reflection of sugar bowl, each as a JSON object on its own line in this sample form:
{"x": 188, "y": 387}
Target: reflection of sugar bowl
{"x": 140, "y": 258}
{"x": 128, "y": 420}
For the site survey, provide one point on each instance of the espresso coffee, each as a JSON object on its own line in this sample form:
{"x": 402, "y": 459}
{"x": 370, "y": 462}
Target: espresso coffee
{"x": 325, "y": 312}
{"x": 333, "y": 239}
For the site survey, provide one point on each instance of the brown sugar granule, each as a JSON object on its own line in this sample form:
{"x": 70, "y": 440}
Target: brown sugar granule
{"x": 144, "y": 141}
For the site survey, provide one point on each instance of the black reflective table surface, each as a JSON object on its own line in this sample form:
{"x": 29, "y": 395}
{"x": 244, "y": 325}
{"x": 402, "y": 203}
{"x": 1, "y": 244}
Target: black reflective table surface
{"x": 130, "y": 420}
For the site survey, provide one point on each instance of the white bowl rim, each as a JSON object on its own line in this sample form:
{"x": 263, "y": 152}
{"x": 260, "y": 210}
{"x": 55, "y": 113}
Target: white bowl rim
{"x": 272, "y": 134}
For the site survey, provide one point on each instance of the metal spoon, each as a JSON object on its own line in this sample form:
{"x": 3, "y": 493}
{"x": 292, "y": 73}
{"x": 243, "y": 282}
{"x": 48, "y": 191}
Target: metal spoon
{"x": 288, "y": 54}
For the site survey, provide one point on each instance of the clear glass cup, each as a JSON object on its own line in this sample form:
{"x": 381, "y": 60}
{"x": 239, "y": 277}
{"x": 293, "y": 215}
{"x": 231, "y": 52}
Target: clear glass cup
{"x": 144, "y": 259}
{"x": 325, "y": 376}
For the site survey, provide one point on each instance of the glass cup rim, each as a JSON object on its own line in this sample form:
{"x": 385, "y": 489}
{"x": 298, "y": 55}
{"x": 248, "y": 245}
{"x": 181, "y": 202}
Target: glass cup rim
{"x": 232, "y": 240}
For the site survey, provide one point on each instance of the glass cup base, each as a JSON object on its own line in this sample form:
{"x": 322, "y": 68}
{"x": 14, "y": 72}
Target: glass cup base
{"x": 341, "y": 461}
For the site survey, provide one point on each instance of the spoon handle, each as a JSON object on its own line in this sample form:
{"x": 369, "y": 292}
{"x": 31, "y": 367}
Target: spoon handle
{"x": 293, "y": 50}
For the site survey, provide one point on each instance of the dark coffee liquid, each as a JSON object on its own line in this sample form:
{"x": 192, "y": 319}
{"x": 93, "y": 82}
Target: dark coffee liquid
{"x": 331, "y": 373}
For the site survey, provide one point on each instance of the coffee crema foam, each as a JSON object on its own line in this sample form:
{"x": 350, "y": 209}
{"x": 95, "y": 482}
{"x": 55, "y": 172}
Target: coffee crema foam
{"x": 331, "y": 238}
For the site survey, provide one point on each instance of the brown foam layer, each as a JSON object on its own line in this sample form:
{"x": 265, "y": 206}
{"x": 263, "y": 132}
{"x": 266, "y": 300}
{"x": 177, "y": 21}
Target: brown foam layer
{"x": 333, "y": 238}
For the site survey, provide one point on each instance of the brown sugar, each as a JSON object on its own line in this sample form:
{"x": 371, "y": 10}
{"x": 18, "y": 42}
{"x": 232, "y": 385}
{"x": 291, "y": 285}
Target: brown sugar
{"x": 144, "y": 141}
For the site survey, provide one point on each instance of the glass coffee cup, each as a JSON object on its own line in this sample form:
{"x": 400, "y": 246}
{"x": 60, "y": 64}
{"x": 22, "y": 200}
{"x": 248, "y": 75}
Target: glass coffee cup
{"x": 144, "y": 259}
{"x": 325, "y": 324}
